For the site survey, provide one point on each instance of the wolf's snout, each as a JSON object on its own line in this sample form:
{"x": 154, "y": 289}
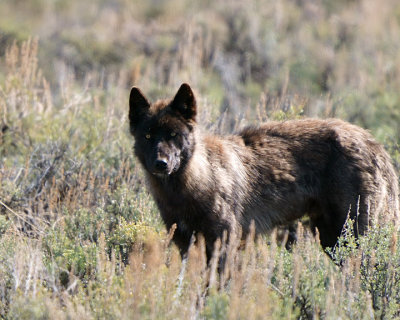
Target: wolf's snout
{"x": 161, "y": 165}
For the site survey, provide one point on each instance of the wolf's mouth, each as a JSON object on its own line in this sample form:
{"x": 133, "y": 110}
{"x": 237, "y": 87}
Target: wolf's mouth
{"x": 160, "y": 174}
{"x": 164, "y": 171}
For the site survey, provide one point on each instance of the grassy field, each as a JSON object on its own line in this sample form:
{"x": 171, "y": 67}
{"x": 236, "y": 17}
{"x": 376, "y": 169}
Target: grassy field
{"x": 81, "y": 238}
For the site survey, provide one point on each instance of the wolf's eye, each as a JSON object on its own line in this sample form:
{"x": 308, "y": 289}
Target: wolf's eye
{"x": 173, "y": 134}
{"x": 148, "y": 136}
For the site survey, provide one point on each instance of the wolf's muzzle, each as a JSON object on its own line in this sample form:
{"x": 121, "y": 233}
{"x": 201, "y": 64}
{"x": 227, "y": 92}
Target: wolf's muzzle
{"x": 160, "y": 166}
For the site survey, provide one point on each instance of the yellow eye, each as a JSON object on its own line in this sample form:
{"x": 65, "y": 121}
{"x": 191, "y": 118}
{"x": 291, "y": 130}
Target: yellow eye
{"x": 173, "y": 134}
{"x": 148, "y": 136}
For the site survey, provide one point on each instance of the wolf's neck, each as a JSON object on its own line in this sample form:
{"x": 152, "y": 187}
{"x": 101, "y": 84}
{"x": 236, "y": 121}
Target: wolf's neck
{"x": 198, "y": 171}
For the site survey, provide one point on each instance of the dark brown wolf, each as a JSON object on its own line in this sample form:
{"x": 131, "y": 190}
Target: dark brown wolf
{"x": 269, "y": 175}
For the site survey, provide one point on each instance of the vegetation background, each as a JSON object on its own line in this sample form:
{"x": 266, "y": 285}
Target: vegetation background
{"x": 80, "y": 237}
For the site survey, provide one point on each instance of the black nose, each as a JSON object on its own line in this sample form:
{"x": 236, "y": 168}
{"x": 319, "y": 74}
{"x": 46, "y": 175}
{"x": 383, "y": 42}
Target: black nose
{"x": 160, "y": 165}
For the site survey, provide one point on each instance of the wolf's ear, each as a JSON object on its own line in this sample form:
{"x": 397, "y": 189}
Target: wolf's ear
{"x": 138, "y": 107}
{"x": 185, "y": 103}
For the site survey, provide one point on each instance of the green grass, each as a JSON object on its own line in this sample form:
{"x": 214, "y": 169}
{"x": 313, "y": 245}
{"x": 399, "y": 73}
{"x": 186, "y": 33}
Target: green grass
{"x": 81, "y": 238}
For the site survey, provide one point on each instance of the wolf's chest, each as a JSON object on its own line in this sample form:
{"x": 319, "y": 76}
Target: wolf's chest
{"x": 189, "y": 216}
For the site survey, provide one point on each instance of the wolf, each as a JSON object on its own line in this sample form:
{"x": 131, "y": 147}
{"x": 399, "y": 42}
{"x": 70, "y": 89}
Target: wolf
{"x": 266, "y": 176}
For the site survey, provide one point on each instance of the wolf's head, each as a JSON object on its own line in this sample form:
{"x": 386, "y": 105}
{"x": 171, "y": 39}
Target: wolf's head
{"x": 163, "y": 131}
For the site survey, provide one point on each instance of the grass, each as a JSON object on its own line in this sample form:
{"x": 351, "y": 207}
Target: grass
{"x": 80, "y": 237}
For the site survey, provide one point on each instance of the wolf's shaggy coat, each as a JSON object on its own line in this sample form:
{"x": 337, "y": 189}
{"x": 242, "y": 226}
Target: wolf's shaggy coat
{"x": 271, "y": 174}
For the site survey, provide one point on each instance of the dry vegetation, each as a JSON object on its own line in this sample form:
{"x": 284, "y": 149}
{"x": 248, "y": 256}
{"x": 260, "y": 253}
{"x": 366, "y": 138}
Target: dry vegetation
{"x": 80, "y": 237}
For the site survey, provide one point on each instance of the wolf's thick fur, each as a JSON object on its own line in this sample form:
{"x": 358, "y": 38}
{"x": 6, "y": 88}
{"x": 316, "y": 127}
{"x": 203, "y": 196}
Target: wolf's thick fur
{"x": 271, "y": 174}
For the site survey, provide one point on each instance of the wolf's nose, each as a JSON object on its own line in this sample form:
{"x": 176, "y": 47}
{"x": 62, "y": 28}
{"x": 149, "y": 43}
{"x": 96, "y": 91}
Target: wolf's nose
{"x": 161, "y": 165}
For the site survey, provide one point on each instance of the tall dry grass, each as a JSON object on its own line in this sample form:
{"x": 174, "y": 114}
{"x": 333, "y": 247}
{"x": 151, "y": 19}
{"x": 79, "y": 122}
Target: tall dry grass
{"x": 81, "y": 238}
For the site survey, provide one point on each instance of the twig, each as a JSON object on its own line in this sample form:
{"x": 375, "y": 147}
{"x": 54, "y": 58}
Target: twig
{"x": 20, "y": 217}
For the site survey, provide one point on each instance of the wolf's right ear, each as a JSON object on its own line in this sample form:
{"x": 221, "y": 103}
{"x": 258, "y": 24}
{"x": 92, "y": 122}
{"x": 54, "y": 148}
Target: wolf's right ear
{"x": 138, "y": 107}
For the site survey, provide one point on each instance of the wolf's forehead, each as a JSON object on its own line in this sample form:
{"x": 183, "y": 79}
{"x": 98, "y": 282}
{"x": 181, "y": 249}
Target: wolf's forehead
{"x": 161, "y": 117}
{"x": 159, "y": 107}
{"x": 164, "y": 121}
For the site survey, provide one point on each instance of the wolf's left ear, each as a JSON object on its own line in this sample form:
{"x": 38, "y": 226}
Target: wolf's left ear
{"x": 138, "y": 107}
{"x": 185, "y": 103}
